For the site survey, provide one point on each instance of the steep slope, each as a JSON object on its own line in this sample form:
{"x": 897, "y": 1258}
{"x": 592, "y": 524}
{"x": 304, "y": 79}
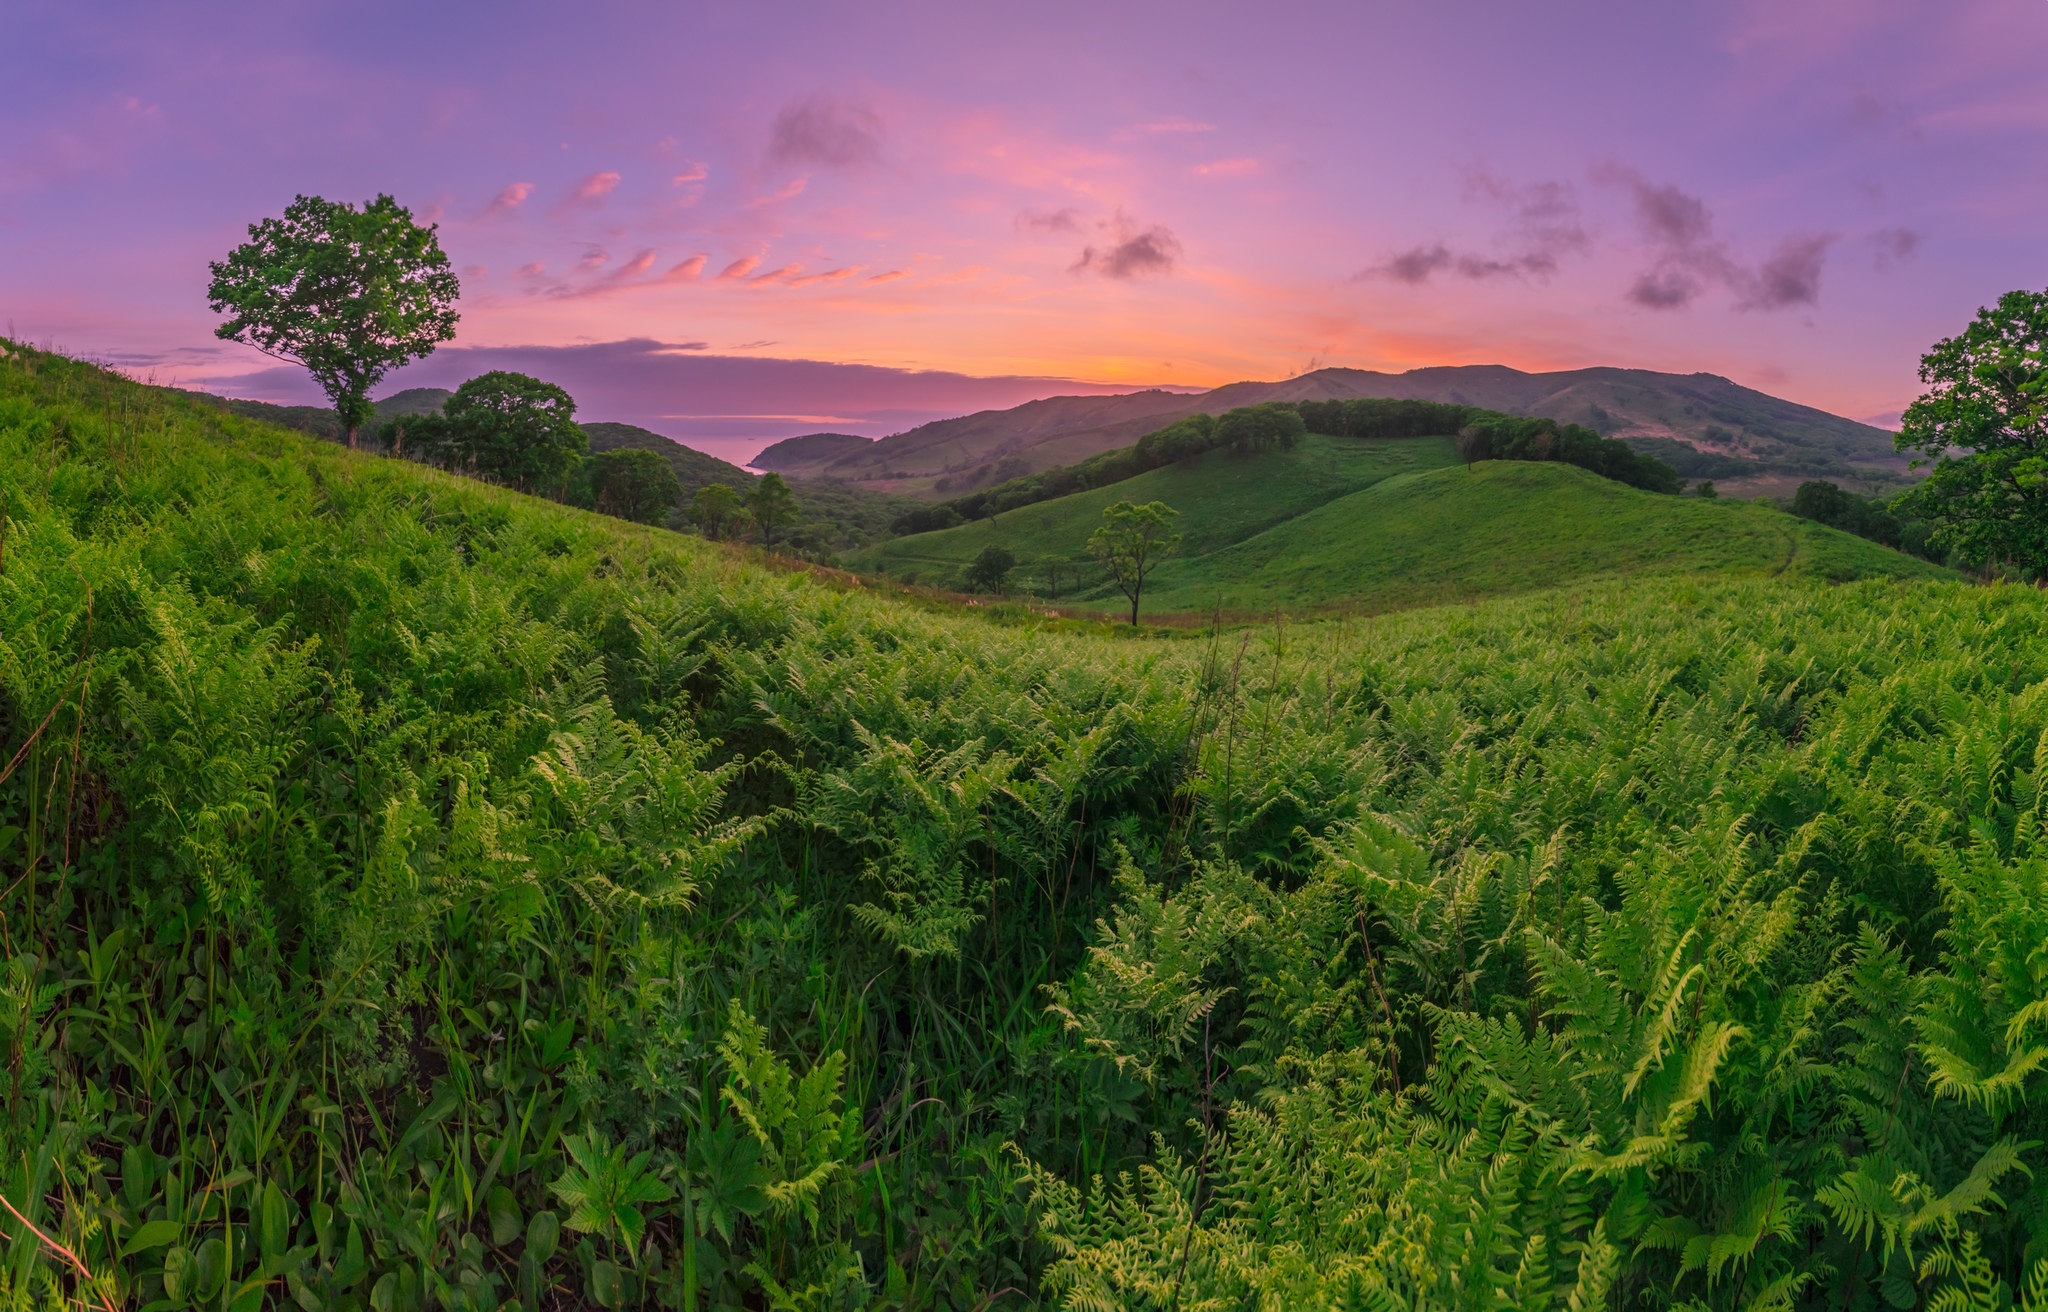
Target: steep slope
{"x": 1349, "y": 525}
{"x": 1702, "y": 423}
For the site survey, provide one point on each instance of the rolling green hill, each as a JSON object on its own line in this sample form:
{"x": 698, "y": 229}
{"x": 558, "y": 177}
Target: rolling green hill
{"x": 1345, "y": 524}
{"x": 418, "y": 895}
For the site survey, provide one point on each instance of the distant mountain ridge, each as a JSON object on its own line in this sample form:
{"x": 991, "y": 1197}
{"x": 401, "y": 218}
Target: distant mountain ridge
{"x": 1718, "y": 427}
{"x": 809, "y": 449}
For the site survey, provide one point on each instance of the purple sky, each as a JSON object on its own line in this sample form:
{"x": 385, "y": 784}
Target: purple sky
{"x": 676, "y": 197}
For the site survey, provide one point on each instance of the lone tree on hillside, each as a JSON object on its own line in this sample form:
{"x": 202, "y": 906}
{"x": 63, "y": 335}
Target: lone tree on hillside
{"x": 1983, "y": 424}
{"x": 634, "y": 484}
{"x": 772, "y": 505}
{"x": 991, "y": 569}
{"x": 513, "y": 428}
{"x": 716, "y": 508}
{"x": 348, "y": 293}
{"x": 1132, "y": 541}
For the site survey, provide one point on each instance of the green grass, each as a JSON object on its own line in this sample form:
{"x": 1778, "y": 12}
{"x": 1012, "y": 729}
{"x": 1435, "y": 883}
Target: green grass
{"x": 1340, "y": 524}
{"x": 415, "y": 895}
{"x": 1223, "y": 498}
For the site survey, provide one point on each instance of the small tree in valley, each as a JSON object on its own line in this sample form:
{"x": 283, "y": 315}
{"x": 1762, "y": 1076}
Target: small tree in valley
{"x": 990, "y": 569}
{"x": 1132, "y": 541}
{"x": 349, "y": 294}
{"x": 772, "y": 505}
{"x": 716, "y": 508}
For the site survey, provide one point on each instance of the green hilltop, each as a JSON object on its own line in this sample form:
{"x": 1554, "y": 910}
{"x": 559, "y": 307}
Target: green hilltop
{"x": 1374, "y": 524}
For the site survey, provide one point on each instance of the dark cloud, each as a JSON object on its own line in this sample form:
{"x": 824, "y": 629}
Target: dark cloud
{"x": 1414, "y": 267}
{"x": 1791, "y": 276}
{"x": 825, "y": 132}
{"x": 1688, "y": 259}
{"x": 1059, "y": 220}
{"x": 1131, "y": 253}
{"x": 1894, "y": 245}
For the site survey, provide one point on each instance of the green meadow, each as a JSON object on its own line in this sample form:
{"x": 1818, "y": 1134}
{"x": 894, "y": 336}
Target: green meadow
{"x": 419, "y": 896}
{"x": 1347, "y": 524}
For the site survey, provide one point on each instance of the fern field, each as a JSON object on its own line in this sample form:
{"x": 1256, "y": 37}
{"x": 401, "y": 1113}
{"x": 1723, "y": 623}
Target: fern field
{"x": 417, "y": 896}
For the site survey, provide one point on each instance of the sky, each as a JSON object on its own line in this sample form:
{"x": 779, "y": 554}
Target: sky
{"x": 731, "y": 223}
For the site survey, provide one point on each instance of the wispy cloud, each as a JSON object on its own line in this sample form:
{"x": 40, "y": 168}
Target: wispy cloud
{"x": 880, "y": 278}
{"x": 1893, "y": 246}
{"x": 1227, "y": 168}
{"x": 1544, "y": 227}
{"x": 1171, "y": 124}
{"x": 833, "y": 275}
{"x": 593, "y": 189}
{"x": 775, "y": 275}
{"x": 1064, "y": 219}
{"x": 692, "y": 172}
{"x": 739, "y": 268}
{"x": 510, "y": 199}
{"x": 688, "y": 269}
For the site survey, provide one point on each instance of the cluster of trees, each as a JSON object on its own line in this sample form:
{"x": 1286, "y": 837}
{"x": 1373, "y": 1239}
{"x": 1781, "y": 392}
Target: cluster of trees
{"x": 1866, "y": 517}
{"x": 723, "y": 514}
{"x": 1490, "y": 436}
{"x": 1383, "y": 417}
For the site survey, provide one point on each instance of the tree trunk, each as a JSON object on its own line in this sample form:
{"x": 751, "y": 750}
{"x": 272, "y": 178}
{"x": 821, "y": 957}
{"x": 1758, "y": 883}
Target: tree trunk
{"x": 1134, "y": 606}
{"x": 351, "y": 437}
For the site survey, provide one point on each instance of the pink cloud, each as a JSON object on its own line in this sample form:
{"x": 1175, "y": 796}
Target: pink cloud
{"x": 511, "y": 198}
{"x": 688, "y": 269}
{"x": 597, "y": 186}
{"x": 1172, "y": 123}
{"x": 1228, "y": 168}
{"x": 793, "y": 189}
{"x": 692, "y": 172}
{"x": 891, "y": 276}
{"x": 835, "y": 275}
{"x": 775, "y": 275}
{"x": 739, "y": 268}
{"x": 636, "y": 266}
{"x": 533, "y": 270}
{"x": 592, "y": 260}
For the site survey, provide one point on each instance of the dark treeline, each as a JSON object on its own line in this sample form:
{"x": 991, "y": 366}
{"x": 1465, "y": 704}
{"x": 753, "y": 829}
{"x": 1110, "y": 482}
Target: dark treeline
{"x": 1490, "y": 436}
{"x": 1888, "y": 522}
{"x": 1383, "y": 417}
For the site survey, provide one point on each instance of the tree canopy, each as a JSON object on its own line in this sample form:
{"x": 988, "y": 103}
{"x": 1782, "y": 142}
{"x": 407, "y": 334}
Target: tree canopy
{"x": 772, "y": 505}
{"x": 348, "y": 293}
{"x": 1983, "y": 425}
{"x": 1250, "y": 429}
{"x": 991, "y": 569}
{"x": 513, "y": 428}
{"x": 716, "y": 508}
{"x": 1132, "y": 541}
{"x": 633, "y": 483}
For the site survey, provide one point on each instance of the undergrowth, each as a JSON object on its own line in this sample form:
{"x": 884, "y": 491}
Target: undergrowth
{"x": 417, "y": 895}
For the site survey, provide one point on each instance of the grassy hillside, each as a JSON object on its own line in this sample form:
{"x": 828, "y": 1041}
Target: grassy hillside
{"x": 1374, "y": 525}
{"x": 1704, "y": 425}
{"x": 421, "y": 896}
{"x": 1223, "y": 498}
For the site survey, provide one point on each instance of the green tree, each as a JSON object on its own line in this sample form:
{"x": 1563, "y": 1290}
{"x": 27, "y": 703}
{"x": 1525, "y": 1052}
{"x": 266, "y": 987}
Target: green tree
{"x": 349, "y": 294}
{"x": 990, "y": 569}
{"x": 716, "y": 508}
{"x": 1706, "y": 489}
{"x": 1132, "y": 541}
{"x": 1983, "y": 425}
{"x": 772, "y": 505}
{"x": 1251, "y": 429}
{"x": 1055, "y": 567}
{"x": 514, "y": 428}
{"x": 634, "y": 484}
